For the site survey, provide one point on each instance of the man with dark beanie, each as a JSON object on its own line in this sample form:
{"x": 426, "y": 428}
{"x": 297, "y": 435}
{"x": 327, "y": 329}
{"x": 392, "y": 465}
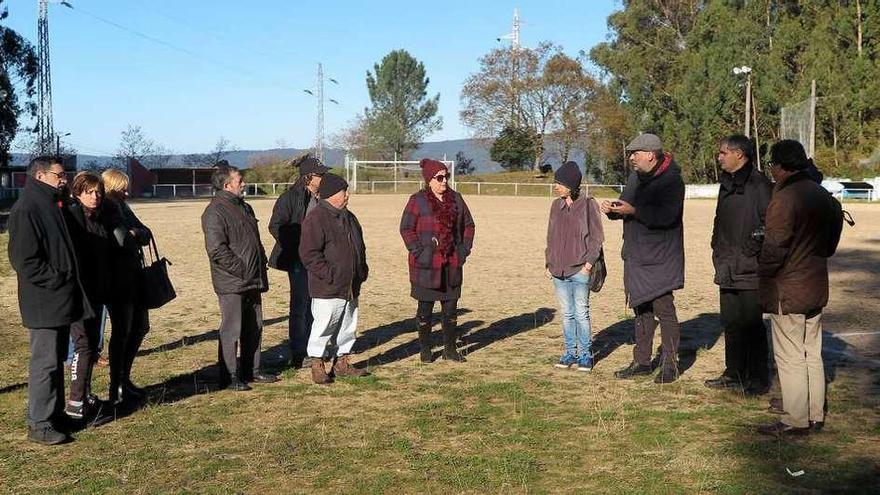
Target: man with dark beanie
{"x": 238, "y": 273}
{"x": 332, "y": 249}
{"x": 793, "y": 271}
{"x": 574, "y": 241}
{"x": 50, "y": 295}
{"x": 651, "y": 207}
{"x": 286, "y": 228}
{"x": 736, "y": 242}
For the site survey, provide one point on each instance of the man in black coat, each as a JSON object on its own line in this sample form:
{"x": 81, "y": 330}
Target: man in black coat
{"x": 651, "y": 207}
{"x": 238, "y": 273}
{"x": 736, "y": 242}
{"x": 286, "y": 228}
{"x": 50, "y": 295}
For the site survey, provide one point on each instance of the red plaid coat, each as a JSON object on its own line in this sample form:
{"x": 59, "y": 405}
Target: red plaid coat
{"x": 418, "y": 228}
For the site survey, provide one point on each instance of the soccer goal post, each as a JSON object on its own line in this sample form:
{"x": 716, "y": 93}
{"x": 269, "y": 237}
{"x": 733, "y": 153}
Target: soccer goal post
{"x": 798, "y": 121}
{"x": 388, "y": 176}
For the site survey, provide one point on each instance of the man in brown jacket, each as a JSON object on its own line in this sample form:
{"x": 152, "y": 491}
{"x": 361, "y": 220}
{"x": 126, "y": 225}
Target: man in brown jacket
{"x": 793, "y": 271}
{"x": 332, "y": 250}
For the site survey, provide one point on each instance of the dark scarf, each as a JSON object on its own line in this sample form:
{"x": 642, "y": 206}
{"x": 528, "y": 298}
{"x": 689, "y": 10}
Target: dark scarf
{"x": 657, "y": 170}
{"x": 444, "y": 215}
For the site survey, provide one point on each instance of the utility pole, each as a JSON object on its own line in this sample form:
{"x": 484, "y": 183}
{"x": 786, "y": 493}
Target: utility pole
{"x": 44, "y": 127}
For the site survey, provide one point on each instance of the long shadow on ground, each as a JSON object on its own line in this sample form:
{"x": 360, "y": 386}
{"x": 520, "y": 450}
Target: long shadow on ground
{"x": 697, "y": 333}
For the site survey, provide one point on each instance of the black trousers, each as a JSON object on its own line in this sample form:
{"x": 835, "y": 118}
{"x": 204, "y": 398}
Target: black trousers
{"x": 241, "y": 326}
{"x": 663, "y": 308}
{"x": 84, "y": 335}
{"x": 745, "y": 337}
{"x": 300, "y": 310}
{"x": 130, "y": 323}
{"x": 46, "y": 375}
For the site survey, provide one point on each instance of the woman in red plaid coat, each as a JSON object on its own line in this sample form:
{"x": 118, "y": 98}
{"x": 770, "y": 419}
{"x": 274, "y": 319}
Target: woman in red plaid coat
{"x": 438, "y": 231}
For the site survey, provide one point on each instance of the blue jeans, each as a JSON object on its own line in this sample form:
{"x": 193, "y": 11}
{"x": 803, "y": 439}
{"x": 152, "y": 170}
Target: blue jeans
{"x": 574, "y": 303}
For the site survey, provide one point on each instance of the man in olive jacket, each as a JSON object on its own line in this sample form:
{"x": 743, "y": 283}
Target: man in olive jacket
{"x": 651, "y": 207}
{"x": 736, "y": 241}
{"x": 332, "y": 249}
{"x": 793, "y": 270}
{"x": 50, "y": 295}
{"x": 286, "y": 227}
{"x": 238, "y": 273}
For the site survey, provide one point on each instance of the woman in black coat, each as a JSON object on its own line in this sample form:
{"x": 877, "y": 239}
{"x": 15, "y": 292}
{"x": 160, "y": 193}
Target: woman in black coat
{"x": 128, "y": 316}
{"x": 91, "y": 230}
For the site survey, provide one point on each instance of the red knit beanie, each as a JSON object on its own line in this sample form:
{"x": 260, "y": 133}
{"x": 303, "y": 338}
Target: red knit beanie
{"x": 430, "y": 168}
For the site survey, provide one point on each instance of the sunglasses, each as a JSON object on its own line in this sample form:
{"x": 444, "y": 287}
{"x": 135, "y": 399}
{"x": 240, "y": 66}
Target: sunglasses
{"x": 441, "y": 178}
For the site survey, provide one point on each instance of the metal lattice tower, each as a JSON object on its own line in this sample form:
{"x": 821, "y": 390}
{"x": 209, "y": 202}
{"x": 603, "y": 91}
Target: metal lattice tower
{"x": 319, "y": 124}
{"x": 44, "y": 127}
{"x": 513, "y": 36}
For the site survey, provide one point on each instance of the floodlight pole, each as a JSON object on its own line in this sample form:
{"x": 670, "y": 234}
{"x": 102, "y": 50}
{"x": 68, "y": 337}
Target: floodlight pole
{"x": 748, "y": 122}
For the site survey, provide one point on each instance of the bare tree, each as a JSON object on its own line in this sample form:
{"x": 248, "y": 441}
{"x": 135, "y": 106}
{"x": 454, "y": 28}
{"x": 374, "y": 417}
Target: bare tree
{"x": 135, "y": 145}
{"x": 510, "y": 90}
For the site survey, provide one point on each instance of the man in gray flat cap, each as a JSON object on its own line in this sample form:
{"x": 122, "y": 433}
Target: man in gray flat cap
{"x": 651, "y": 207}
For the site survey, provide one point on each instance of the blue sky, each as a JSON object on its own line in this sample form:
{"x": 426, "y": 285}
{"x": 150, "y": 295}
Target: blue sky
{"x": 190, "y": 71}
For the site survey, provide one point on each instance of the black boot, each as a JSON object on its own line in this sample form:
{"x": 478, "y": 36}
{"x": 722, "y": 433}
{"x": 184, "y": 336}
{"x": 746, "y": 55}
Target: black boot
{"x": 450, "y": 353}
{"x": 425, "y": 354}
{"x": 132, "y": 346}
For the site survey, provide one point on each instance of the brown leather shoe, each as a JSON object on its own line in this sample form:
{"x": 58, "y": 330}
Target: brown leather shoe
{"x": 343, "y": 367}
{"x": 319, "y": 374}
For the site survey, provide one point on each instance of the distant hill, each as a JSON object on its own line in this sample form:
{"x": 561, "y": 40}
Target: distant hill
{"x": 471, "y": 148}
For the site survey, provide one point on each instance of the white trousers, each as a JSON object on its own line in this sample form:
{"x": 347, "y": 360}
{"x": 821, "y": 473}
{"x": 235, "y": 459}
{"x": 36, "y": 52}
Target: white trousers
{"x": 334, "y": 319}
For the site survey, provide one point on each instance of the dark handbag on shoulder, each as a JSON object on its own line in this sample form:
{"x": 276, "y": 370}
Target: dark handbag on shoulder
{"x": 599, "y": 271}
{"x": 154, "y": 285}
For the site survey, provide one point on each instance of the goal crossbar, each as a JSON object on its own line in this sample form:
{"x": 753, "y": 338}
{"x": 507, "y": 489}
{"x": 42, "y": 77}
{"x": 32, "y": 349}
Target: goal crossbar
{"x": 351, "y": 169}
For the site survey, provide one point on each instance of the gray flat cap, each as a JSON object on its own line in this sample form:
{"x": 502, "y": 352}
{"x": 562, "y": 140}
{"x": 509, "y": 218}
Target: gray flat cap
{"x": 645, "y": 142}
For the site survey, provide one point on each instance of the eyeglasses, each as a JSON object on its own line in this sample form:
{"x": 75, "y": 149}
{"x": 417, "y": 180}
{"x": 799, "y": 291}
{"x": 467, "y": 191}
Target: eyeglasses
{"x": 58, "y": 175}
{"x": 441, "y": 178}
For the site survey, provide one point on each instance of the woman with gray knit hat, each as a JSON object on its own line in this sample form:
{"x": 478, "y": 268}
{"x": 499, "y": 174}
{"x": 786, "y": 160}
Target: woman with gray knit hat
{"x": 438, "y": 231}
{"x": 574, "y": 241}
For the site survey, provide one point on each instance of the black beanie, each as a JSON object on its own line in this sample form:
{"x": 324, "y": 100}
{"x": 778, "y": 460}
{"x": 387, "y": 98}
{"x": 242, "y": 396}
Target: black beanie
{"x": 569, "y": 175}
{"x": 331, "y": 184}
{"x": 789, "y": 154}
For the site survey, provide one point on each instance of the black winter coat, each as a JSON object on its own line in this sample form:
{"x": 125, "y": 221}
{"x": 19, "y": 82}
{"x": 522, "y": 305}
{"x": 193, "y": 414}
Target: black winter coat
{"x": 333, "y": 252}
{"x": 95, "y": 247}
{"x": 286, "y": 226}
{"x": 130, "y": 235}
{"x": 232, "y": 240}
{"x": 653, "y": 238}
{"x": 742, "y": 203}
{"x": 41, "y": 252}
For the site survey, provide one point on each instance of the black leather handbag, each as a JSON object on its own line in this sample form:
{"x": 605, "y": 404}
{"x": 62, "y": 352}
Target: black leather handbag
{"x": 599, "y": 271}
{"x": 155, "y": 285}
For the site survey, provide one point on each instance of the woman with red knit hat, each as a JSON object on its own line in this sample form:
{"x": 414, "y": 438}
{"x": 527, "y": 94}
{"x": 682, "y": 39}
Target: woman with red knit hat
{"x": 438, "y": 231}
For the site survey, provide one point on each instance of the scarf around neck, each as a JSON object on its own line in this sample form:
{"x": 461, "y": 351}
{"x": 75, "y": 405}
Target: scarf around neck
{"x": 444, "y": 216}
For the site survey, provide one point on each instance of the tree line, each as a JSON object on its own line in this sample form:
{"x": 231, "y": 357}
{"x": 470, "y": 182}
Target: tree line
{"x": 666, "y": 68}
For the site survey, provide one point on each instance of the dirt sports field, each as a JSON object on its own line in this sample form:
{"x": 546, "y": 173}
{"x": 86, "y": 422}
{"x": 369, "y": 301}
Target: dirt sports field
{"x": 505, "y": 421}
